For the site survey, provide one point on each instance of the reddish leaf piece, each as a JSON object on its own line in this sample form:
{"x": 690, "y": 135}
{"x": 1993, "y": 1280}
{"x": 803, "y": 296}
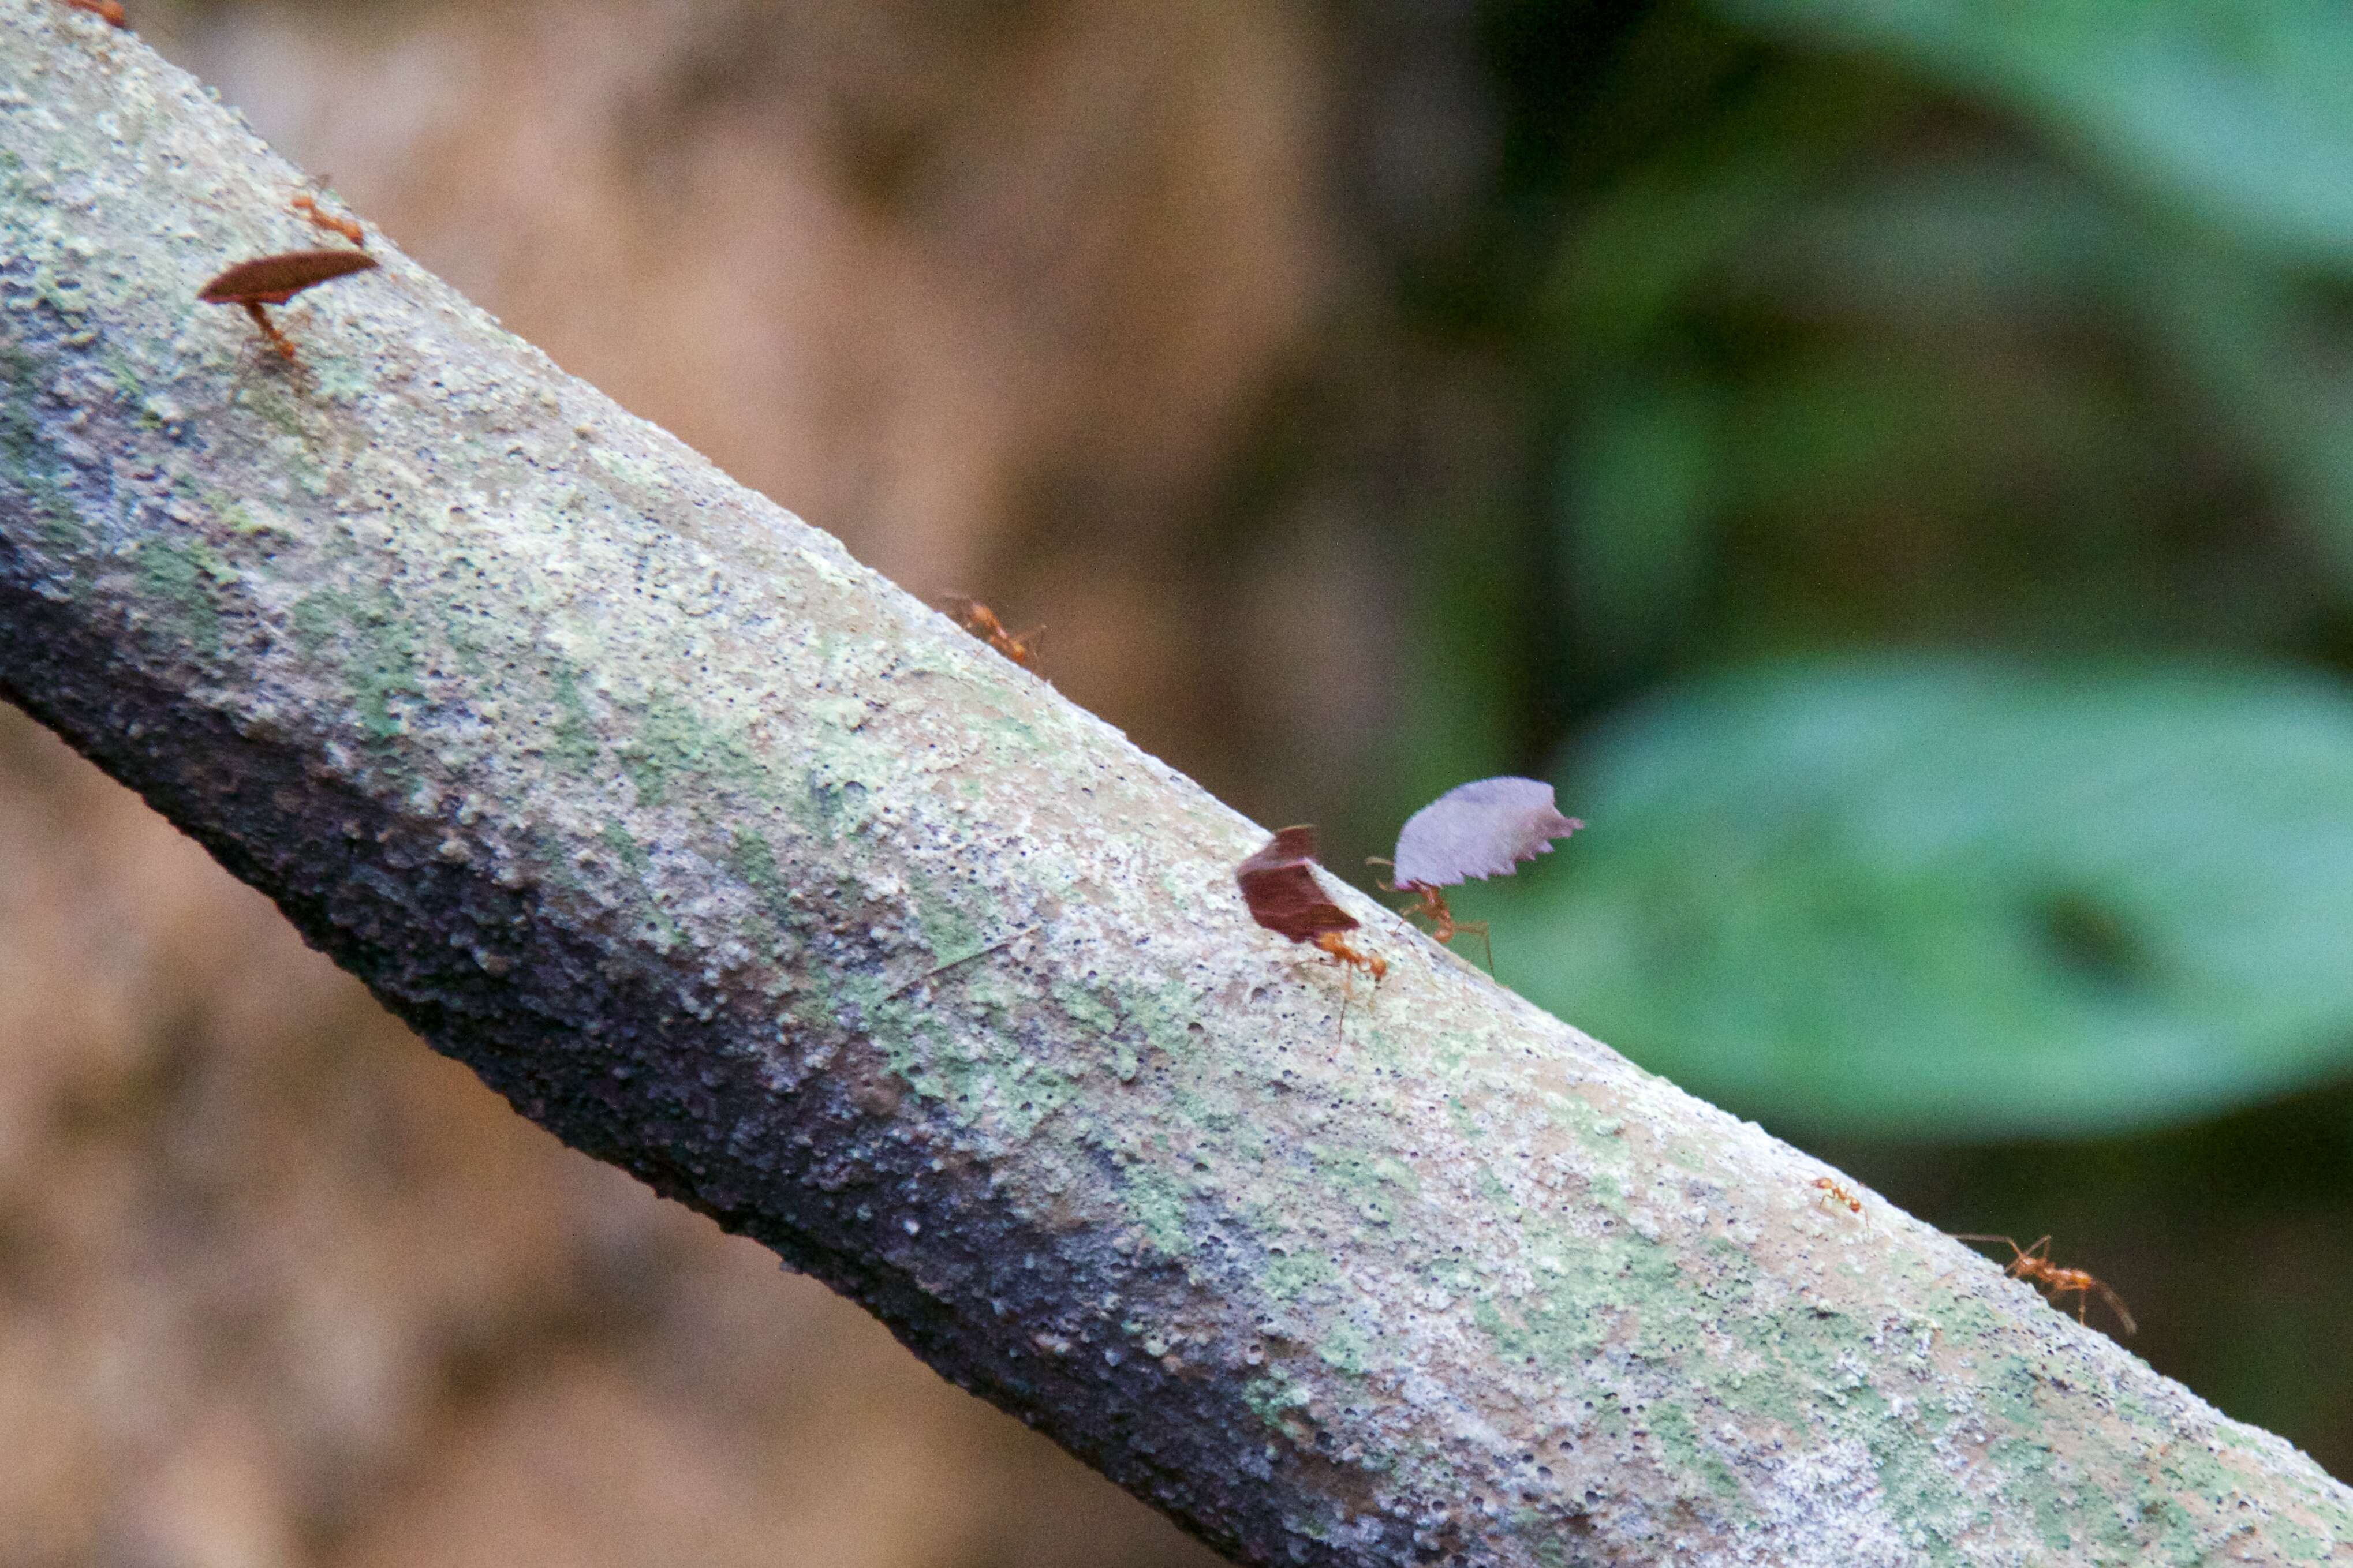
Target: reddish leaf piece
{"x": 110, "y": 11}
{"x": 274, "y": 279}
{"x": 1283, "y": 893}
{"x": 1484, "y": 828}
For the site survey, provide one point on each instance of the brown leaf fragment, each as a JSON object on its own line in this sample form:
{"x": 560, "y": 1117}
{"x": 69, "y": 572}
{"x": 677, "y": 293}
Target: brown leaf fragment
{"x": 274, "y": 279}
{"x": 1484, "y": 829}
{"x": 1281, "y": 890}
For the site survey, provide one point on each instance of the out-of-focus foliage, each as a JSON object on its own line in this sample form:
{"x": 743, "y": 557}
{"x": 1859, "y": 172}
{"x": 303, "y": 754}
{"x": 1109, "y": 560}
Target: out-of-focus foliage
{"x": 1957, "y": 897}
{"x": 2239, "y": 111}
{"x": 1932, "y": 336}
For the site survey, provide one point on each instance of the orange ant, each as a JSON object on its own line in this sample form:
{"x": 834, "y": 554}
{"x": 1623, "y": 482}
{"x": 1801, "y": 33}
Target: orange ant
{"x": 274, "y": 279}
{"x": 307, "y": 206}
{"x": 1833, "y": 1194}
{"x": 1348, "y": 956}
{"x": 2034, "y": 1263}
{"x": 981, "y": 622}
{"x": 110, "y": 11}
{"x": 1431, "y": 905}
{"x": 1336, "y": 946}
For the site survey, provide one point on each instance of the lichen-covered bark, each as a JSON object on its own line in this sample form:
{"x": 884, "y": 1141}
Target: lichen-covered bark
{"x": 735, "y": 866}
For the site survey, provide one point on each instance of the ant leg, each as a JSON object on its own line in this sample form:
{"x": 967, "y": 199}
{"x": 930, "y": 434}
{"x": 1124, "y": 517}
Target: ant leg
{"x": 277, "y": 339}
{"x": 2011, "y": 1268}
{"x": 2116, "y": 1305}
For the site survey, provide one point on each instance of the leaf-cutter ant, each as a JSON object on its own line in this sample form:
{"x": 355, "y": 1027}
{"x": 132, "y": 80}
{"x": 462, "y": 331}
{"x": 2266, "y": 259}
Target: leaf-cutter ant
{"x": 274, "y": 279}
{"x": 307, "y": 206}
{"x": 2034, "y": 1263}
{"x": 1430, "y": 904}
{"x": 1284, "y": 897}
{"x": 981, "y": 622}
{"x": 1833, "y": 1194}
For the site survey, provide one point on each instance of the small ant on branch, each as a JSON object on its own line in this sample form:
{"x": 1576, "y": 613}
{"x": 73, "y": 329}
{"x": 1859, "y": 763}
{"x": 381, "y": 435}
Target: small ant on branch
{"x": 307, "y": 206}
{"x": 1832, "y": 1194}
{"x": 981, "y": 622}
{"x": 1349, "y": 956}
{"x": 2034, "y": 1263}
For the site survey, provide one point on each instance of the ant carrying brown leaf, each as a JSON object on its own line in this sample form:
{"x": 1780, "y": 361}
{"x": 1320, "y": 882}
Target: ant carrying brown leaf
{"x": 274, "y": 279}
{"x": 2034, "y": 1263}
{"x": 981, "y": 622}
{"x": 1279, "y": 887}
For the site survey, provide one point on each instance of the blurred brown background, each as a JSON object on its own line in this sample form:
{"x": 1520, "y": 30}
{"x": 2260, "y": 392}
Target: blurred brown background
{"x": 970, "y": 284}
{"x": 1365, "y": 395}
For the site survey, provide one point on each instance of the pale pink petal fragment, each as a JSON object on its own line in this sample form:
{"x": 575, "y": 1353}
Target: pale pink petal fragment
{"x": 1484, "y": 829}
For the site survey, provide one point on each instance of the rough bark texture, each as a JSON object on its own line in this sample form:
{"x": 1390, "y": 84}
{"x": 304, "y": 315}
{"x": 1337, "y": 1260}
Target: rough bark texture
{"x": 735, "y": 866}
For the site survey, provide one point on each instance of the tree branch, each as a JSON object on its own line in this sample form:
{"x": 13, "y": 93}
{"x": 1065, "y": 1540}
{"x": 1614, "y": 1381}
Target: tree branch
{"x": 731, "y": 863}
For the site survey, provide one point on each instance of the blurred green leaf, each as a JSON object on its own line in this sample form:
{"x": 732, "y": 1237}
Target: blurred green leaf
{"x": 1668, "y": 226}
{"x": 1954, "y": 899}
{"x": 2239, "y": 110}
{"x": 1640, "y": 491}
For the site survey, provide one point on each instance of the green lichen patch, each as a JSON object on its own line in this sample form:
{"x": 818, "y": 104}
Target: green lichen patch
{"x": 574, "y": 743}
{"x": 186, "y": 575}
{"x": 1346, "y": 1348}
{"x": 656, "y": 927}
{"x": 375, "y": 648}
{"x": 1157, "y": 1203}
{"x": 1293, "y": 1271}
{"x": 670, "y": 741}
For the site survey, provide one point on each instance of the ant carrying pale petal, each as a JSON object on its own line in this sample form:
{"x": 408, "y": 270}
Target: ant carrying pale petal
{"x": 1832, "y": 1194}
{"x": 1431, "y": 905}
{"x": 2034, "y": 1263}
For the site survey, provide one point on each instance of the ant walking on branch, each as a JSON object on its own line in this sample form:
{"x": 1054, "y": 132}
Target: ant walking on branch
{"x": 307, "y": 206}
{"x": 1833, "y": 1195}
{"x": 2034, "y": 1263}
{"x": 981, "y": 622}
